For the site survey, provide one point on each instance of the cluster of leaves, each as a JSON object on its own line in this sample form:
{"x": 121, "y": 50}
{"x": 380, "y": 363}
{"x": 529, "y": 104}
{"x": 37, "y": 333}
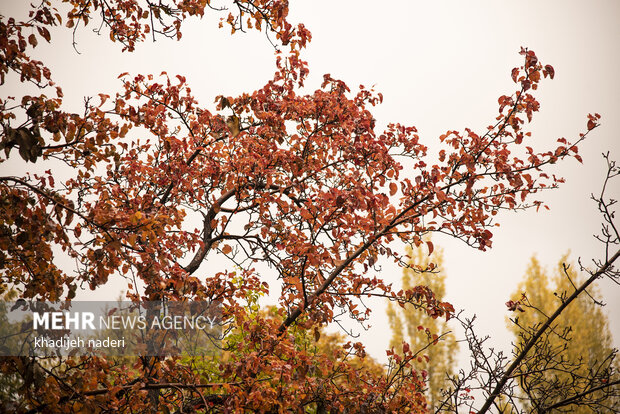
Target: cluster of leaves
{"x": 302, "y": 183}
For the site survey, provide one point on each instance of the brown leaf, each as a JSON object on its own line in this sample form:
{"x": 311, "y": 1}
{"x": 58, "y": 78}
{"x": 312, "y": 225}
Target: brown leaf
{"x": 233, "y": 125}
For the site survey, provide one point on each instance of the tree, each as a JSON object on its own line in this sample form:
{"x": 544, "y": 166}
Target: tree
{"x": 577, "y": 350}
{"x": 546, "y": 372}
{"x": 301, "y": 183}
{"x": 431, "y": 336}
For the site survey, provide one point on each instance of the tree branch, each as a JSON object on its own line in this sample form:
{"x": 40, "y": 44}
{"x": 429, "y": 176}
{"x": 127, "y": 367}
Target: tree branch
{"x": 528, "y": 346}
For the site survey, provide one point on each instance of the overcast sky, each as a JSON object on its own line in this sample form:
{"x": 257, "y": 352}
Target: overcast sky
{"x": 440, "y": 66}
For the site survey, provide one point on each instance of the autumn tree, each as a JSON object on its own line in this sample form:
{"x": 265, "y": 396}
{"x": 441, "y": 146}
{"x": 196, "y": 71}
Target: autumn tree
{"x": 431, "y": 336}
{"x": 562, "y": 360}
{"x": 577, "y": 350}
{"x": 302, "y": 184}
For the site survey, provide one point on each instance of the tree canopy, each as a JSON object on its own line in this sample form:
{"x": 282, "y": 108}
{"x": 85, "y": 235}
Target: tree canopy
{"x": 302, "y": 184}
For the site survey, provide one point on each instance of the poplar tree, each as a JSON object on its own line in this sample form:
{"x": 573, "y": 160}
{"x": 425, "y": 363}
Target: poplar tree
{"x": 431, "y": 336}
{"x": 578, "y": 350}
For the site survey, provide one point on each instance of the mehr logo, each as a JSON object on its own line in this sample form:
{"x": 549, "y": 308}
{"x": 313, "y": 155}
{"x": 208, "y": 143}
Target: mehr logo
{"x": 71, "y": 320}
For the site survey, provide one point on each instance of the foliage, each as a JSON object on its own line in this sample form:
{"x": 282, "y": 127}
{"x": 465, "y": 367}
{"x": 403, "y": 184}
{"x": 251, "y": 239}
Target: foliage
{"x": 432, "y": 337}
{"x": 577, "y": 352}
{"x": 302, "y": 184}
{"x": 543, "y": 374}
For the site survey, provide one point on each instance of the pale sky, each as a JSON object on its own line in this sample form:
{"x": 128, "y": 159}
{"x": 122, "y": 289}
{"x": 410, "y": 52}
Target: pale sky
{"x": 440, "y": 66}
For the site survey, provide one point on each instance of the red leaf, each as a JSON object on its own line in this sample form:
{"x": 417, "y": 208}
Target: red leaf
{"x": 430, "y": 247}
{"x": 441, "y": 196}
{"x": 32, "y": 39}
{"x": 549, "y": 69}
{"x": 45, "y": 34}
{"x": 393, "y": 188}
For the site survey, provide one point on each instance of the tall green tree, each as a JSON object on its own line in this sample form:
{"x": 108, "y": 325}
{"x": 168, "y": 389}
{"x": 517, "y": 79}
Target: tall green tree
{"x": 577, "y": 353}
{"x": 419, "y": 329}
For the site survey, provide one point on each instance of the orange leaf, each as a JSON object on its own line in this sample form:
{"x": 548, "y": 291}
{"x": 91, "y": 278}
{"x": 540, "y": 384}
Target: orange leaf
{"x": 393, "y": 188}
